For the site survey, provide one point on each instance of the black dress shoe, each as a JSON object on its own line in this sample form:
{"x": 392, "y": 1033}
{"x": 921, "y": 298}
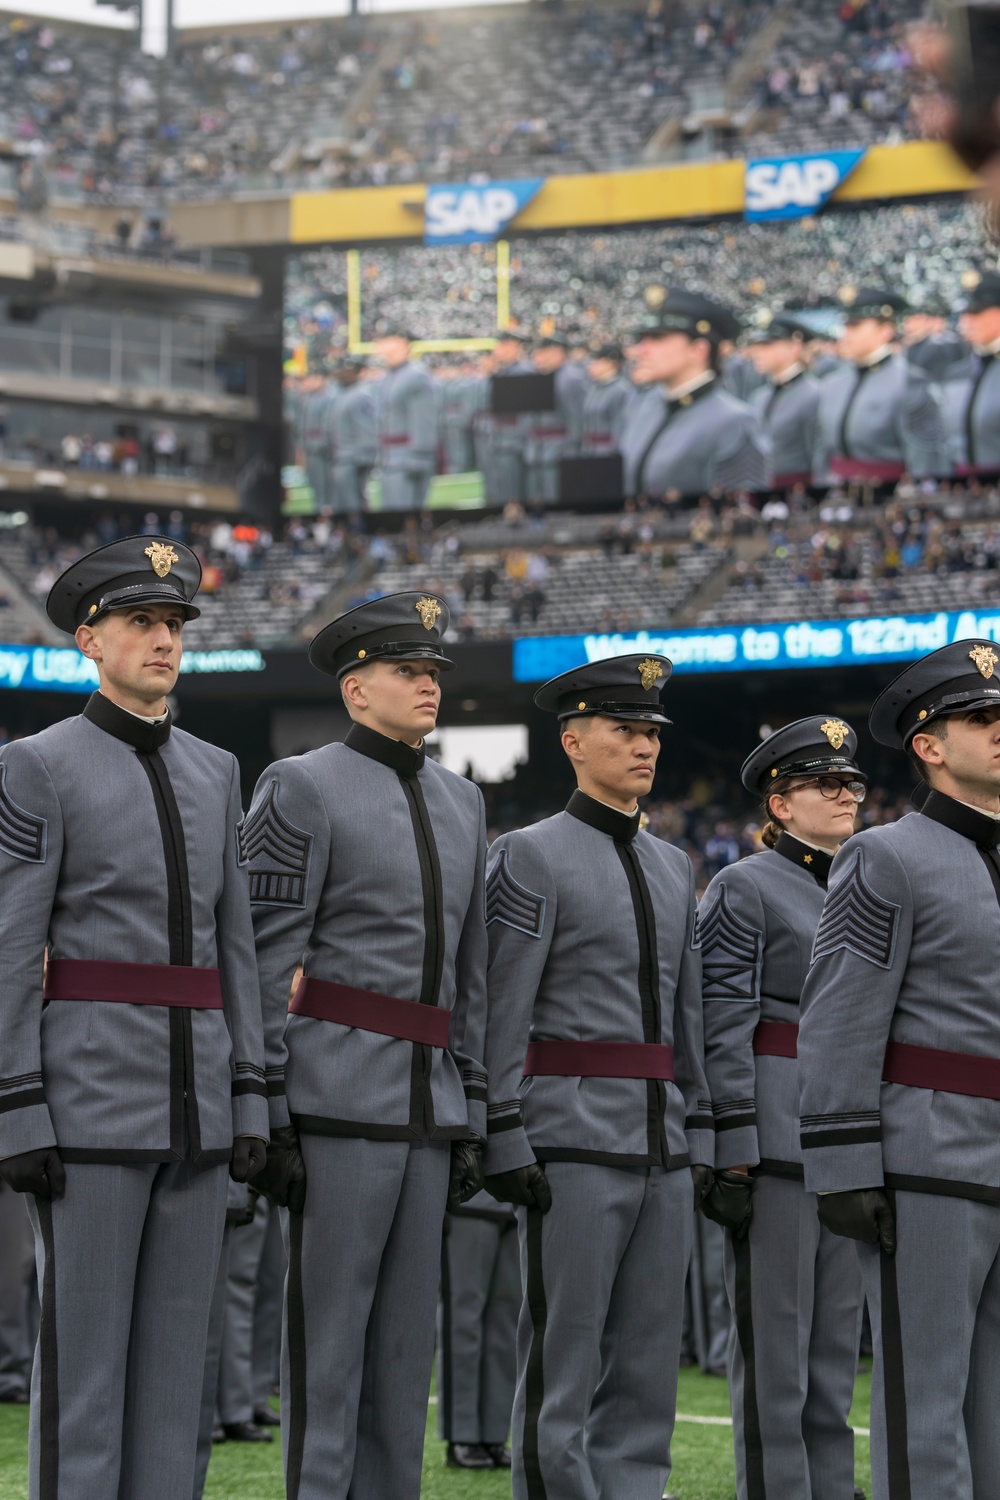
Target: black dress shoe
{"x": 859, "y": 1495}
{"x": 468, "y": 1456}
{"x": 218, "y": 1434}
{"x": 246, "y": 1432}
{"x": 264, "y": 1417}
{"x": 500, "y": 1454}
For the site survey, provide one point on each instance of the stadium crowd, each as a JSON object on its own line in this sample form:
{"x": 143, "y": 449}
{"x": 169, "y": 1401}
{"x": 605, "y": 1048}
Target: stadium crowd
{"x": 87, "y": 114}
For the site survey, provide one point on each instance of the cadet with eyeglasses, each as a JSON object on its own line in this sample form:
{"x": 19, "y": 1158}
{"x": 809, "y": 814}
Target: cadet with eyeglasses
{"x": 899, "y": 1073}
{"x": 606, "y": 1147}
{"x": 794, "y": 1286}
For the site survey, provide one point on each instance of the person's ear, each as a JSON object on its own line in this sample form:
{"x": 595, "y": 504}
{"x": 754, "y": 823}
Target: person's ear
{"x": 353, "y": 691}
{"x": 927, "y": 747}
{"x": 572, "y": 742}
{"x": 89, "y": 641}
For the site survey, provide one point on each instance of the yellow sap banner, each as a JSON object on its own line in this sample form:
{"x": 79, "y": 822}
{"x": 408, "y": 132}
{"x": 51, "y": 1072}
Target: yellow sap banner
{"x": 705, "y": 190}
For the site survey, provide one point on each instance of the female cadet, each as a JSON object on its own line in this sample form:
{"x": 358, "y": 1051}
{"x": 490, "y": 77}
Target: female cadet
{"x": 794, "y": 1287}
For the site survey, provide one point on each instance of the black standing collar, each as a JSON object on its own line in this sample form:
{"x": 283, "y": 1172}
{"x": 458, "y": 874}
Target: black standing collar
{"x": 403, "y": 759}
{"x": 816, "y": 861}
{"x": 622, "y": 827}
{"x": 983, "y": 830}
{"x": 681, "y": 403}
{"x": 125, "y": 726}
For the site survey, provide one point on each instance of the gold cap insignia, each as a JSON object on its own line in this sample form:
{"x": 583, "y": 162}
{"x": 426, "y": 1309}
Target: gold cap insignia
{"x": 428, "y": 610}
{"x": 650, "y": 672}
{"x": 162, "y": 556}
{"x": 970, "y": 280}
{"x": 835, "y": 731}
{"x": 703, "y": 326}
{"x": 848, "y": 295}
{"x": 985, "y": 660}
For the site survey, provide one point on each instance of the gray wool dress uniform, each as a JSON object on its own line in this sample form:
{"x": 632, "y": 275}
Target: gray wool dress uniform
{"x": 971, "y": 403}
{"x": 501, "y": 438}
{"x": 407, "y": 419}
{"x": 788, "y": 414}
{"x": 595, "y": 996}
{"x": 551, "y": 436}
{"x": 142, "y": 1055}
{"x": 477, "y": 1323}
{"x": 604, "y": 407}
{"x": 367, "y": 867}
{"x": 315, "y": 422}
{"x": 878, "y": 421}
{"x": 899, "y": 1065}
{"x": 353, "y": 445}
{"x": 702, "y": 441}
{"x": 460, "y": 401}
{"x": 794, "y": 1286}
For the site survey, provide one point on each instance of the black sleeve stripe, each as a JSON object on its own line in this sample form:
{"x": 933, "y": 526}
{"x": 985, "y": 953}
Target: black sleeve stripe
{"x": 730, "y": 954}
{"x": 506, "y": 1122}
{"x": 21, "y": 1100}
{"x": 275, "y": 1088}
{"x": 736, "y": 1122}
{"x": 854, "y": 1135}
{"x": 22, "y": 835}
{"x": 511, "y": 903}
{"x": 858, "y": 920}
{"x": 278, "y": 854}
{"x": 475, "y": 1092}
{"x": 699, "y": 1122}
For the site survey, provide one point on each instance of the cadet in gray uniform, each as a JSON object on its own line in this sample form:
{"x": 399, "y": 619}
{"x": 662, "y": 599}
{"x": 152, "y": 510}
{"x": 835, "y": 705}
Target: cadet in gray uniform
{"x": 316, "y": 397}
{"x": 789, "y": 400}
{"x": 899, "y": 1069}
{"x": 971, "y": 397}
{"x": 352, "y": 435}
{"x": 931, "y": 344}
{"x": 687, "y": 435}
{"x": 407, "y": 424}
{"x": 554, "y": 435}
{"x": 505, "y": 432}
{"x": 367, "y": 867}
{"x": 595, "y": 997}
{"x": 128, "y": 1074}
{"x": 459, "y": 396}
{"x": 477, "y": 1332}
{"x": 605, "y": 403}
{"x": 794, "y": 1287}
{"x": 879, "y": 416}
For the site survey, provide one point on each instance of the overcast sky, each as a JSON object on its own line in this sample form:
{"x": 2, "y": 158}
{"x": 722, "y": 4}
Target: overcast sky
{"x": 220, "y": 12}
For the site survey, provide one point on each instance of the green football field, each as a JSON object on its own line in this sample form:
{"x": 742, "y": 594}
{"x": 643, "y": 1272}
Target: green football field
{"x": 702, "y": 1449}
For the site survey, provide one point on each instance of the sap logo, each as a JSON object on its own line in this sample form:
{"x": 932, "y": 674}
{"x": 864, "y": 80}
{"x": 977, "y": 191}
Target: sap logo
{"x": 796, "y": 185}
{"x": 464, "y": 214}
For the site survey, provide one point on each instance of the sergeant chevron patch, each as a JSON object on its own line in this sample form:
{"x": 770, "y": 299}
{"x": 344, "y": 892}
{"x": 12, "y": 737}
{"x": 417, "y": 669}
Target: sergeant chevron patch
{"x": 511, "y": 903}
{"x": 730, "y": 953}
{"x": 277, "y": 852}
{"x": 856, "y": 918}
{"x": 22, "y": 834}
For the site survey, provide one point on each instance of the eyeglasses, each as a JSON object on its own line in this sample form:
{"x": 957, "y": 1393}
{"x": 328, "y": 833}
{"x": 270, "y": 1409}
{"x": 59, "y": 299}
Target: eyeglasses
{"x": 830, "y": 787}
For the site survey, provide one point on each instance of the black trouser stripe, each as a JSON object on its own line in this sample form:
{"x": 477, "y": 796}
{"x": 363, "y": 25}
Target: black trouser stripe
{"x": 534, "y": 1380}
{"x": 48, "y": 1466}
{"x": 296, "y": 1360}
{"x": 753, "y": 1446}
{"x": 895, "y": 1391}
{"x": 446, "y": 1393}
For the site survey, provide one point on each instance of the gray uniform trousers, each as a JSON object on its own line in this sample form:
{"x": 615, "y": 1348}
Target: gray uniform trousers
{"x": 127, "y": 1261}
{"x": 17, "y": 1254}
{"x": 213, "y": 1356}
{"x": 477, "y": 1328}
{"x": 267, "y": 1311}
{"x": 707, "y": 1319}
{"x": 358, "y": 1344}
{"x": 598, "y": 1340}
{"x": 934, "y": 1407}
{"x": 236, "y": 1391}
{"x": 796, "y": 1292}
{"x": 347, "y": 487}
{"x": 404, "y": 489}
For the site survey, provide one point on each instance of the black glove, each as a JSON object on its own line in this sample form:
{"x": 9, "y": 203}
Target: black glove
{"x": 466, "y": 1170}
{"x": 38, "y": 1172}
{"x": 282, "y": 1179}
{"x": 702, "y": 1178}
{"x": 863, "y": 1214}
{"x": 249, "y": 1152}
{"x": 729, "y": 1202}
{"x": 527, "y": 1186}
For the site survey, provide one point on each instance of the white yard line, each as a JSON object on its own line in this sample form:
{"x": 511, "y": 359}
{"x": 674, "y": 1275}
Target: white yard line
{"x": 684, "y": 1416}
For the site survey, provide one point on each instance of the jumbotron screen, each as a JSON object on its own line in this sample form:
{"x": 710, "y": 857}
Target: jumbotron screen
{"x": 582, "y": 369}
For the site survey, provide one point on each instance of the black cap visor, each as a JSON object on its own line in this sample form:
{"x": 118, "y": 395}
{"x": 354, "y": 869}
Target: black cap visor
{"x": 921, "y": 715}
{"x": 134, "y": 597}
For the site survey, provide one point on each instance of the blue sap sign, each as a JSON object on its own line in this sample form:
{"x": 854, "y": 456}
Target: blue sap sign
{"x": 738, "y": 648}
{"x": 791, "y": 187}
{"x": 61, "y": 669}
{"x": 466, "y": 214}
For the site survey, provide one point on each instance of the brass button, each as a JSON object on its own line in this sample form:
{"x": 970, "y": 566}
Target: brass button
{"x": 581, "y": 705}
{"x": 361, "y": 655}
{"x": 922, "y": 714}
